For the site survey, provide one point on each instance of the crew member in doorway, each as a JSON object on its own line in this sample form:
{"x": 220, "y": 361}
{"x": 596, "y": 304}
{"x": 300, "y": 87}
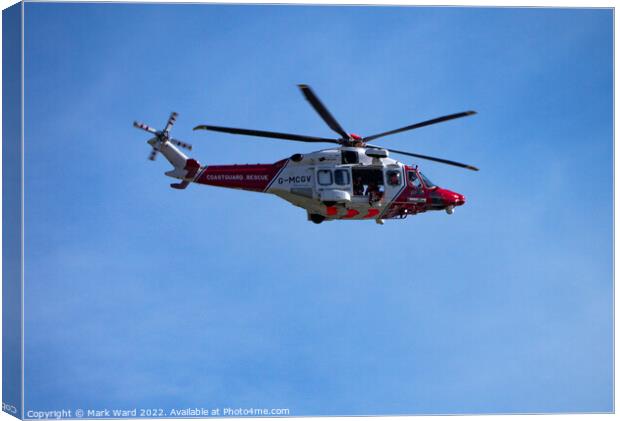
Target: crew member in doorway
{"x": 373, "y": 192}
{"x": 358, "y": 187}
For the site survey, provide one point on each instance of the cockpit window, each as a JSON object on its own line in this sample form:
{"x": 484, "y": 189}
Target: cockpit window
{"x": 413, "y": 178}
{"x": 429, "y": 184}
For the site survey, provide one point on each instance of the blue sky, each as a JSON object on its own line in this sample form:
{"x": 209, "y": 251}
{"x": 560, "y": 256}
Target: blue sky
{"x": 138, "y": 295}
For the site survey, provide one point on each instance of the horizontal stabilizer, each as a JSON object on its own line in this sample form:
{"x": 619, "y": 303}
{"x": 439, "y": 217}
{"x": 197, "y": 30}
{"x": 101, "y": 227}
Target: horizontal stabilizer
{"x": 180, "y": 186}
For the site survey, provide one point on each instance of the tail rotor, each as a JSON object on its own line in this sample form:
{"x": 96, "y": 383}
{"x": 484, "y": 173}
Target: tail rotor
{"x": 161, "y": 136}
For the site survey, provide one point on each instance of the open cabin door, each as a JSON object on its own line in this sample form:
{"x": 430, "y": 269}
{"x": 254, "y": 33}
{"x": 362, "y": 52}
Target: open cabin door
{"x": 368, "y": 184}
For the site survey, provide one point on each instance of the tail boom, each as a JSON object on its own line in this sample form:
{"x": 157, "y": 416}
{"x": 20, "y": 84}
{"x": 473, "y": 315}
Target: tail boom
{"x": 254, "y": 177}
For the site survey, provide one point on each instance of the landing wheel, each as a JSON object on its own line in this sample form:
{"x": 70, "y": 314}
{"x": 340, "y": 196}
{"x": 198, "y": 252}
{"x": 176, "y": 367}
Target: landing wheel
{"x": 316, "y": 218}
{"x": 329, "y": 203}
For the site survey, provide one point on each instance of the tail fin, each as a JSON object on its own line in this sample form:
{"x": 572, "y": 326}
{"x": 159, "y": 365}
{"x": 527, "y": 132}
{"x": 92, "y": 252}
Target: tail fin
{"x": 191, "y": 169}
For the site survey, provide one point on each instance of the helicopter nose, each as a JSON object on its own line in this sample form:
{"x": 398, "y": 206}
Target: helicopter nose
{"x": 454, "y": 199}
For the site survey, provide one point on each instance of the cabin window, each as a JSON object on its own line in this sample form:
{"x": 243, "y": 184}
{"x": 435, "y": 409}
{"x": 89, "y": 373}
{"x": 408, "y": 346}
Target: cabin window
{"x": 324, "y": 177}
{"x": 393, "y": 178}
{"x": 349, "y": 157}
{"x": 341, "y": 177}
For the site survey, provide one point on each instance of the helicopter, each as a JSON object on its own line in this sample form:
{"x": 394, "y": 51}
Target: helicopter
{"x": 354, "y": 180}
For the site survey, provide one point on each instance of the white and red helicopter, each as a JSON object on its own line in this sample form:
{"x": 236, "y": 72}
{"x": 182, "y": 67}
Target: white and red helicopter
{"x": 353, "y": 181}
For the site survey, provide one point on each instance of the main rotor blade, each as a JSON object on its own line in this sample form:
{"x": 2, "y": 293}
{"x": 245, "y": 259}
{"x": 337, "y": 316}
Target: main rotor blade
{"x": 263, "y": 133}
{"x": 322, "y": 110}
{"x": 430, "y": 158}
{"x": 422, "y": 124}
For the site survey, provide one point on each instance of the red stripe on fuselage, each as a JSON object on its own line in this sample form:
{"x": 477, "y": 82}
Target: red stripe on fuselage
{"x": 372, "y": 212}
{"x": 255, "y": 177}
{"x": 351, "y": 213}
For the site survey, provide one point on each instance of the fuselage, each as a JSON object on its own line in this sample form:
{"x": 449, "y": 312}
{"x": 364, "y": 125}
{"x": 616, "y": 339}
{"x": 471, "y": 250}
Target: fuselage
{"x": 340, "y": 183}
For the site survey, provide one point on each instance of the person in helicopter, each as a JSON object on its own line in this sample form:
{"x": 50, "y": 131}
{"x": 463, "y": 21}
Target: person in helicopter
{"x": 394, "y": 179}
{"x": 373, "y": 192}
{"x": 358, "y": 186}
